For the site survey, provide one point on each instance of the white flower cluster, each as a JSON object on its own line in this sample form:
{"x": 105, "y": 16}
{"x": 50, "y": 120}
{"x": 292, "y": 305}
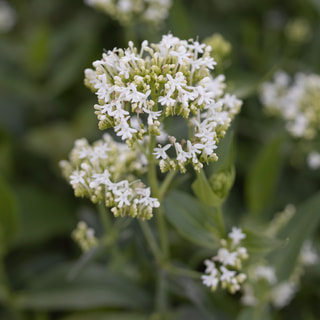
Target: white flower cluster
{"x": 137, "y": 90}
{"x": 313, "y": 160}
{"x": 298, "y": 103}
{"x": 84, "y": 236}
{"x": 281, "y": 293}
{"x": 106, "y": 171}
{"x": 226, "y": 265}
{"x": 128, "y": 11}
{"x": 7, "y": 16}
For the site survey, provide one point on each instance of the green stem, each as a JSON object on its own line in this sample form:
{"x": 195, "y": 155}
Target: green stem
{"x": 220, "y": 221}
{"x": 162, "y": 256}
{"x": 104, "y": 216}
{"x": 152, "y": 170}
{"x": 150, "y": 240}
{"x": 165, "y": 184}
{"x": 161, "y": 298}
{"x": 153, "y": 181}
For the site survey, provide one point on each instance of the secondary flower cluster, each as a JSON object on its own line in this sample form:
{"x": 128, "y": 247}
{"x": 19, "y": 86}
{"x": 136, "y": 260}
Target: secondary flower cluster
{"x": 106, "y": 171}
{"x": 263, "y": 284}
{"x": 127, "y": 11}
{"x": 7, "y": 17}
{"x": 297, "y": 102}
{"x": 137, "y": 90}
{"x": 84, "y": 236}
{"x": 281, "y": 293}
{"x": 225, "y": 267}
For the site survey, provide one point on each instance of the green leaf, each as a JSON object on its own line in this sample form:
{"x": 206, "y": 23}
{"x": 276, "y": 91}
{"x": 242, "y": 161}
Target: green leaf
{"x": 9, "y": 220}
{"x": 214, "y": 190}
{"x": 103, "y": 315}
{"x": 42, "y": 216}
{"x": 299, "y": 228}
{"x": 225, "y": 153}
{"x": 192, "y": 219}
{"x": 262, "y": 178}
{"x": 94, "y": 287}
{"x": 254, "y": 313}
{"x": 203, "y": 191}
{"x": 258, "y": 245}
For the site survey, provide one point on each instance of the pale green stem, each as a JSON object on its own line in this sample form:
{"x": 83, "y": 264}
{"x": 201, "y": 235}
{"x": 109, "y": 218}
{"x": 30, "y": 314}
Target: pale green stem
{"x": 104, "y": 216}
{"x": 165, "y": 184}
{"x": 161, "y": 295}
{"x": 150, "y": 240}
{"x": 220, "y": 221}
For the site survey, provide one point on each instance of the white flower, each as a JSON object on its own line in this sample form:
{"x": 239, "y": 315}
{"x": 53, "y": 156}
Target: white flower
{"x": 267, "y": 273}
{"x": 308, "y": 255}
{"x": 210, "y": 266}
{"x": 226, "y": 257}
{"x": 126, "y": 11}
{"x": 283, "y": 293}
{"x": 211, "y": 280}
{"x": 7, "y": 17}
{"x": 166, "y": 79}
{"x": 236, "y": 235}
{"x": 76, "y": 177}
{"x": 160, "y": 152}
{"x": 228, "y": 275}
{"x": 313, "y": 160}
{"x": 124, "y": 130}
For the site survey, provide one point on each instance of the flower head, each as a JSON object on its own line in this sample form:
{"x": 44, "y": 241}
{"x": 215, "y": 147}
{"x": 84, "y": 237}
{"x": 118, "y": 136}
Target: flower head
{"x": 296, "y": 101}
{"x": 138, "y": 90}
{"x": 106, "y": 171}
{"x": 225, "y": 267}
{"x": 127, "y": 11}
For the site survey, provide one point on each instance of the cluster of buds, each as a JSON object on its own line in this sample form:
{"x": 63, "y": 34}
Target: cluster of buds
{"x": 128, "y": 11}
{"x": 297, "y": 102}
{"x": 106, "y": 171}
{"x": 225, "y": 267}
{"x": 84, "y": 236}
{"x": 138, "y": 90}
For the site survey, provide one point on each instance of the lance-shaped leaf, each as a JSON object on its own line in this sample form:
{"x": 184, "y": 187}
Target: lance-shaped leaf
{"x": 299, "y": 228}
{"x": 262, "y": 177}
{"x": 8, "y": 216}
{"x": 192, "y": 219}
{"x": 94, "y": 287}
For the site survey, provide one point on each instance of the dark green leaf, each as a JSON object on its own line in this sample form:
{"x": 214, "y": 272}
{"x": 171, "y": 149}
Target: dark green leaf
{"x": 262, "y": 177}
{"x": 191, "y": 218}
{"x": 103, "y": 315}
{"x": 42, "y": 216}
{"x": 203, "y": 191}
{"x": 258, "y": 245}
{"x": 214, "y": 190}
{"x": 94, "y": 287}
{"x": 8, "y": 216}
{"x": 299, "y": 228}
{"x": 254, "y": 313}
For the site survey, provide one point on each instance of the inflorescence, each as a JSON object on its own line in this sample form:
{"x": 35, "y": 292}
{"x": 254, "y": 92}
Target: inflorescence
{"x": 127, "y": 11}
{"x": 138, "y": 90}
{"x": 297, "y": 102}
{"x": 225, "y": 267}
{"x": 106, "y": 171}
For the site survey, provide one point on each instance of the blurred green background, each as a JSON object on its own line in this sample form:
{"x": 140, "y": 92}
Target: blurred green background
{"x": 44, "y": 107}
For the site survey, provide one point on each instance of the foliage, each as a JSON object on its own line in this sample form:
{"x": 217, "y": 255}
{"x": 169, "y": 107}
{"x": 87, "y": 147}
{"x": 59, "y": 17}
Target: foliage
{"x": 152, "y": 269}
